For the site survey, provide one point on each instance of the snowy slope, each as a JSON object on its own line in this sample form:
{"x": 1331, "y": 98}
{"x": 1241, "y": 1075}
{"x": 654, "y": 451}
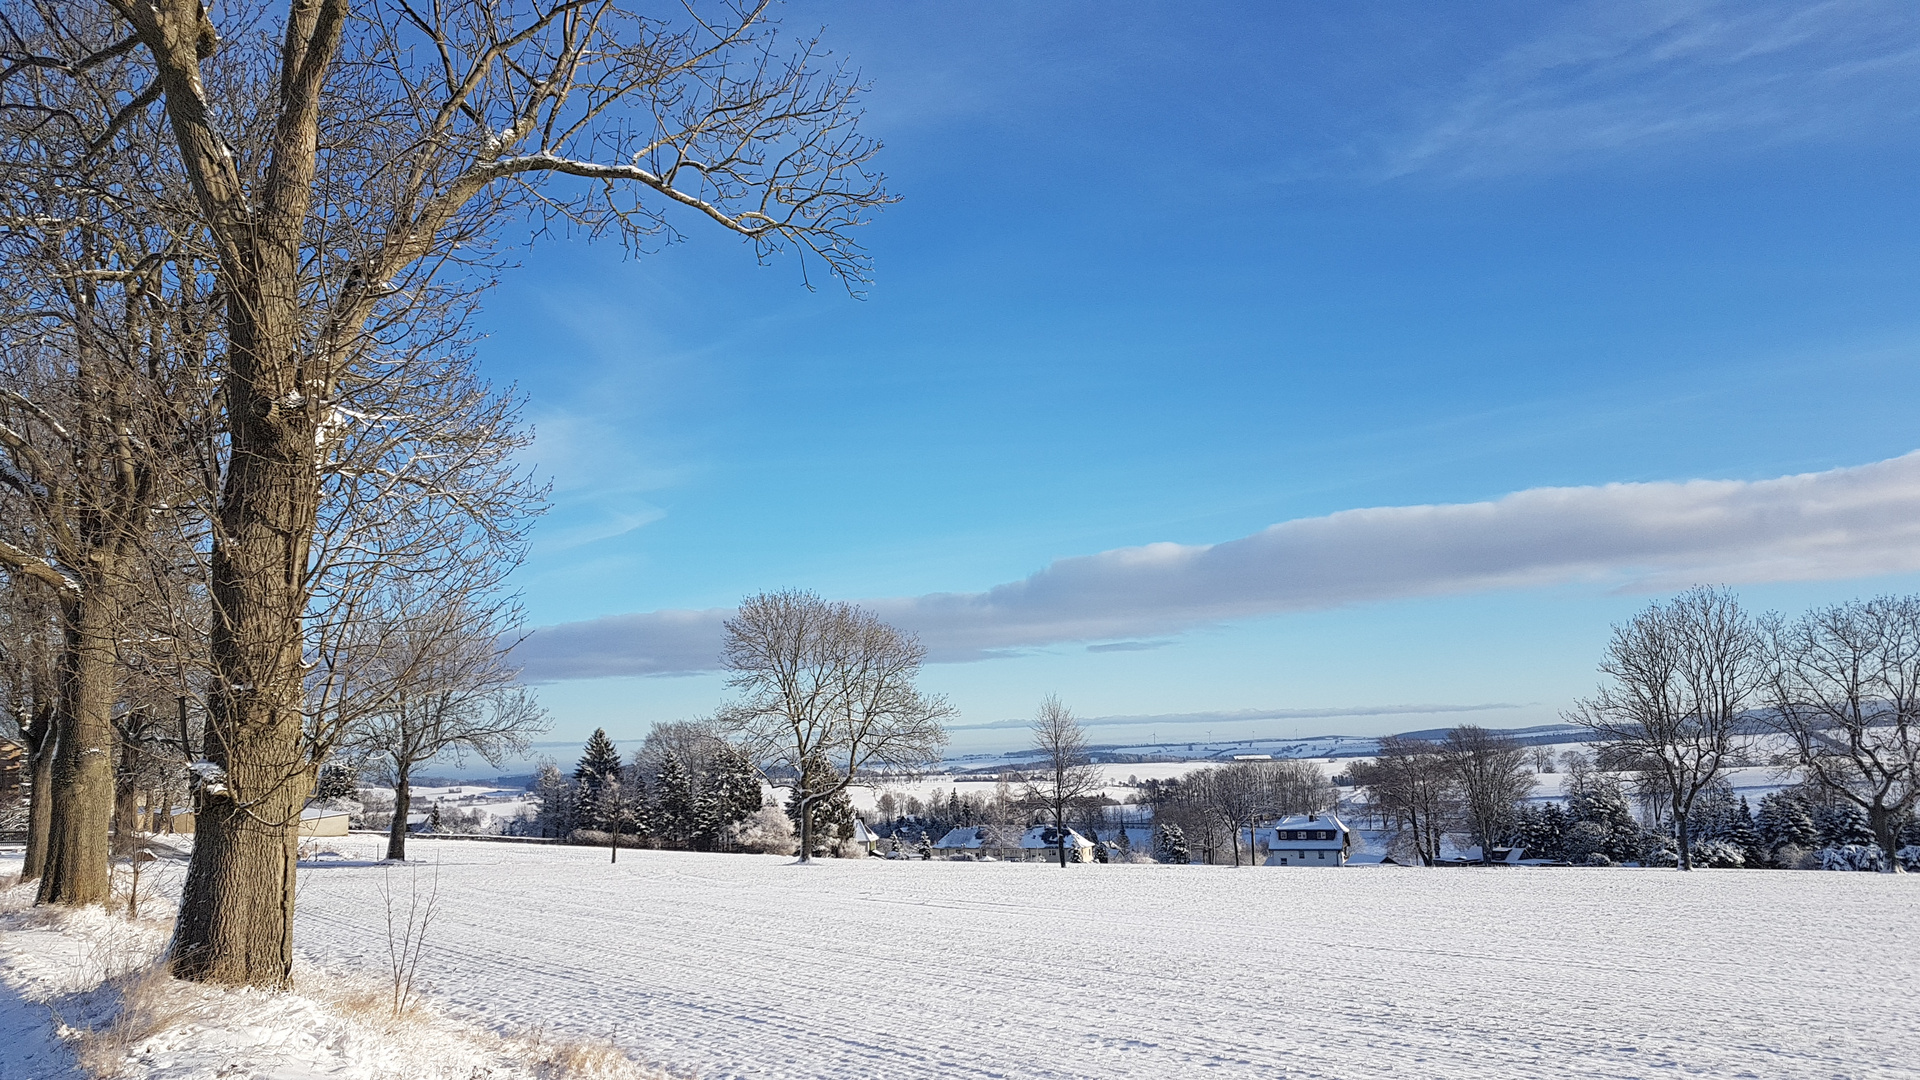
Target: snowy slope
{"x": 737, "y": 966}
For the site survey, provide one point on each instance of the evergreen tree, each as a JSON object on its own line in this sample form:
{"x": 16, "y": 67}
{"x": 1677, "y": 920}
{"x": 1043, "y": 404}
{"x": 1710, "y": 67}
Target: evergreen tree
{"x": 676, "y": 813}
{"x": 600, "y": 763}
{"x": 1170, "y": 845}
{"x": 433, "y": 817}
{"x": 554, "y": 798}
{"x": 832, "y": 816}
{"x": 733, "y": 791}
{"x": 1842, "y": 825}
{"x": 1785, "y": 819}
{"x": 1553, "y": 831}
{"x": 337, "y": 782}
{"x": 1742, "y": 833}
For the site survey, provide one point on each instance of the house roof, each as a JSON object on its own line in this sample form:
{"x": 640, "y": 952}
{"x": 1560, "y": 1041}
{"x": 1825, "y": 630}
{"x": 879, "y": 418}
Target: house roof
{"x": 1316, "y": 823}
{"x": 1044, "y": 836}
{"x": 969, "y": 838}
{"x": 321, "y": 810}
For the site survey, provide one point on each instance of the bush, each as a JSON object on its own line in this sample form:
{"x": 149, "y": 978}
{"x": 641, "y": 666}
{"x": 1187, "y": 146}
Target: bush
{"x": 1850, "y": 857}
{"x": 767, "y": 831}
{"x": 1909, "y": 857}
{"x": 1718, "y": 854}
{"x": 1596, "y": 858}
{"x": 597, "y": 838}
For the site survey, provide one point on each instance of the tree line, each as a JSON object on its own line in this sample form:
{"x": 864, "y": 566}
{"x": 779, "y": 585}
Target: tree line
{"x": 249, "y": 470}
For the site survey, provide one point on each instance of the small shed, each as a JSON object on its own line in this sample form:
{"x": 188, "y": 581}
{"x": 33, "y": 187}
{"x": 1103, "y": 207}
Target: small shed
{"x": 323, "y": 819}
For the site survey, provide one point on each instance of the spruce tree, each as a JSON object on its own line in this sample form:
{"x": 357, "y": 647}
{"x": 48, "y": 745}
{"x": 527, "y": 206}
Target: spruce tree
{"x": 733, "y": 791}
{"x": 1785, "y": 819}
{"x": 337, "y": 782}
{"x": 675, "y": 812}
{"x": 600, "y": 763}
{"x": 1170, "y": 845}
{"x": 1742, "y": 833}
{"x": 1842, "y": 825}
{"x": 556, "y": 801}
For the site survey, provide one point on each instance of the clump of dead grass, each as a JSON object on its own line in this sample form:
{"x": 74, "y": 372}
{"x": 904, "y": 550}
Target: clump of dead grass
{"x": 578, "y": 1059}
{"x": 138, "y": 1005}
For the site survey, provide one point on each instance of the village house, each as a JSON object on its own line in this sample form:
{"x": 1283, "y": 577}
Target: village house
{"x": 1304, "y": 840}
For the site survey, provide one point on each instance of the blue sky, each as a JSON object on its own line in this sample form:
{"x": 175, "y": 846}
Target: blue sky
{"x": 1162, "y": 276}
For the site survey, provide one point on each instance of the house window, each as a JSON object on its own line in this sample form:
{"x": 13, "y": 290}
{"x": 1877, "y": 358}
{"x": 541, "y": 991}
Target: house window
{"x": 1323, "y": 855}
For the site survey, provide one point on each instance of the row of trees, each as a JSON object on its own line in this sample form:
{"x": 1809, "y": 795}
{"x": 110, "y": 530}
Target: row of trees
{"x": 241, "y": 248}
{"x": 1474, "y": 781}
{"x": 1692, "y": 682}
{"x": 685, "y": 788}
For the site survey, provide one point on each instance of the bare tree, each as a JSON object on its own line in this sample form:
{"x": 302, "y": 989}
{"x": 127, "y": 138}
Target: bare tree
{"x": 1064, "y": 776}
{"x": 1490, "y": 772}
{"x": 1844, "y": 688}
{"x": 29, "y": 653}
{"x": 1409, "y": 781}
{"x": 826, "y": 682}
{"x": 106, "y": 312}
{"x": 446, "y": 686}
{"x": 1683, "y": 676}
{"x": 357, "y": 156}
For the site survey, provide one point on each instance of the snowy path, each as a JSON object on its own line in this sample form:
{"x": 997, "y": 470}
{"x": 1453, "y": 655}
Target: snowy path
{"x": 738, "y": 966}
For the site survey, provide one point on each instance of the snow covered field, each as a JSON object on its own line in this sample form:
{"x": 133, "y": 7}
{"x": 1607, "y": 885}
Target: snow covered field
{"x": 737, "y": 966}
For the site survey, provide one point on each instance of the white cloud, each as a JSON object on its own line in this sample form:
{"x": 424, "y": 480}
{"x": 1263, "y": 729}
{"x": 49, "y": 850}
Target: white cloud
{"x": 1844, "y": 523}
{"x": 1622, "y": 75}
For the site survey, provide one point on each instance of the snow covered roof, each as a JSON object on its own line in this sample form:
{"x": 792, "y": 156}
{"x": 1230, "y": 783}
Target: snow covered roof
{"x": 316, "y": 811}
{"x": 968, "y": 838}
{"x": 1044, "y": 836}
{"x": 1314, "y": 831}
{"x": 861, "y": 835}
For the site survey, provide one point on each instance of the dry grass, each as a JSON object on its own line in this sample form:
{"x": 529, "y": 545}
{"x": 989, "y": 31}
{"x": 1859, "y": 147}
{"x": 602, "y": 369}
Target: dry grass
{"x": 143, "y": 1003}
{"x": 578, "y": 1059}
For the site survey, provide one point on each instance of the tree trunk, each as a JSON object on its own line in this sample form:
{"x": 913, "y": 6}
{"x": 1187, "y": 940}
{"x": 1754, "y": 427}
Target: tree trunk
{"x": 40, "y": 809}
{"x": 402, "y": 806}
{"x": 76, "y": 868}
{"x": 126, "y": 795}
{"x": 806, "y": 829}
{"x": 1685, "y": 839}
{"x": 1886, "y": 831}
{"x": 236, "y": 912}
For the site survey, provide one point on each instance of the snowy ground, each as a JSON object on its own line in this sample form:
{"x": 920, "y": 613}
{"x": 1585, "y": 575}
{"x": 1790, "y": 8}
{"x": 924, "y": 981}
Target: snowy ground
{"x": 737, "y": 966}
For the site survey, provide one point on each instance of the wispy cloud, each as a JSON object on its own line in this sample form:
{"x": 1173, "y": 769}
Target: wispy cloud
{"x": 1844, "y": 523}
{"x": 1615, "y": 76}
{"x": 1237, "y": 716}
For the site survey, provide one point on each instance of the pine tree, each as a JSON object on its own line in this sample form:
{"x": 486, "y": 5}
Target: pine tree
{"x": 676, "y": 815}
{"x": 732, "y": 792}
{"x": 1842, "y": 825}
{"x": 1742, "y": 833}
{"x": 1170, "y": 845}
{"x": 337, "y": 782}
{"x": 556, "y": 801}
{"x": 433, "y": 817}
{"x": 1785, "y": 819}
{"x": 600, "y": 763}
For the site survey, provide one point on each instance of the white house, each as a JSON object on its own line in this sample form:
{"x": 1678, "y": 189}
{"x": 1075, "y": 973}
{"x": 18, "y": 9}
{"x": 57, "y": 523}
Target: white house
{"x": 323, "y": 819}
{"x": 1304, "y": 840}
{"x": 1042, "y": 842}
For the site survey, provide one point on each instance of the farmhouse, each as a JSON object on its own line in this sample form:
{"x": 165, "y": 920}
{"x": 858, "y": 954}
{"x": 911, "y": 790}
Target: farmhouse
{"x": 1040, "y": 842}
{"x": 1305, "y": 840}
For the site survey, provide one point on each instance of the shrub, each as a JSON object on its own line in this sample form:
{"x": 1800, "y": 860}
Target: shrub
{"x": 767, "y": 831}
{"x": 1850, "y": 857}
{"x": 1718, "y": 854}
